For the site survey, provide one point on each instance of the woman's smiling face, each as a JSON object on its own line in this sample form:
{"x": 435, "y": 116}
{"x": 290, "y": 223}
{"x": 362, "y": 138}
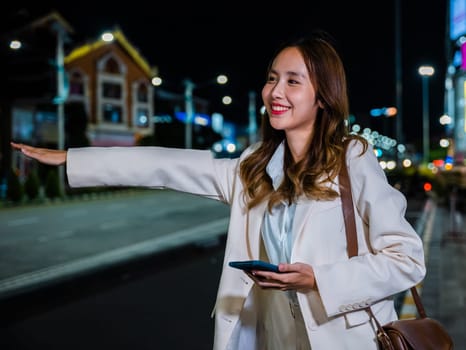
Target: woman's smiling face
{"x": 289, "y": 95}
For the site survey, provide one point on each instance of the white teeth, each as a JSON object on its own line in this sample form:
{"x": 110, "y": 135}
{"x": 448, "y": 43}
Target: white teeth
{"x": 279, "y": 108}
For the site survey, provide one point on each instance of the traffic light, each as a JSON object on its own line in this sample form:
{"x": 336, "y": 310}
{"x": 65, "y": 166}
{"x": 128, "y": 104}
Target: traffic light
{"x": 427, "y": 186}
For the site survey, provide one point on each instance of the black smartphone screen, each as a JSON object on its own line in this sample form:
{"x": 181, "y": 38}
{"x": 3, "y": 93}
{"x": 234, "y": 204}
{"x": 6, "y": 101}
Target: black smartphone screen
{"x": 254, "y": 265}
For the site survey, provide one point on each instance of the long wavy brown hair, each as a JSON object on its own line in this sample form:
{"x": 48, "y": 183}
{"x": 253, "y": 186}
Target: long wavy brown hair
{"x": 311, "y": 175}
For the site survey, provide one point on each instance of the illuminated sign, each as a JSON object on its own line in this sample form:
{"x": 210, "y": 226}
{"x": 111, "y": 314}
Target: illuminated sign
{"x": 199, "y": 118}
{"x": 457, "y": 18}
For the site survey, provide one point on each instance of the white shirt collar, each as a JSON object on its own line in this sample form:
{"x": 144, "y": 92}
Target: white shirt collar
{"x": 275, "y": 166}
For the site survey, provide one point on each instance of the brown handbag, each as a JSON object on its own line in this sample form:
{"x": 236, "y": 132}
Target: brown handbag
{"x": 421, "y": 333}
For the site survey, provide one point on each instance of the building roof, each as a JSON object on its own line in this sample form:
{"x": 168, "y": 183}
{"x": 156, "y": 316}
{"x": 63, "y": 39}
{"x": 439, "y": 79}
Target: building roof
{"x": 118, "y": 35}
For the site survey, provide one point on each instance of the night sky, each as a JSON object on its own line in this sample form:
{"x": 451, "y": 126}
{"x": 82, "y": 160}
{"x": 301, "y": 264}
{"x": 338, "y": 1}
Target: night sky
{"x": 199, "y": 41}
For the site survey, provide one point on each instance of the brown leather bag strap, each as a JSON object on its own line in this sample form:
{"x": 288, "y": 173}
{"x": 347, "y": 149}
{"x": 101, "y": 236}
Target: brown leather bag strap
{"x": 417, "y": 301}
{"x": 347, "y": 204}
{"x": 350, "y": 223}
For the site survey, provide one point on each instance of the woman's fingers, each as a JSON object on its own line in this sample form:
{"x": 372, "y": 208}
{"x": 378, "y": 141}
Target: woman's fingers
{"x": 43, "y": 155}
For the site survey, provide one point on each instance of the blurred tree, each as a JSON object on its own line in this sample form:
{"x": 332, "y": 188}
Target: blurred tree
{"x": 52, "y": 188}
{"x": 32, "y": 185}
{"x": 15, "y": 189}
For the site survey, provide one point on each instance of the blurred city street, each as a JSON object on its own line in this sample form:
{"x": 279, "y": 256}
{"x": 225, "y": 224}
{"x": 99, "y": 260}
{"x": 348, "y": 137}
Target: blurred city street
{"x": 74, "y": 276}
{"x": 119, "y": 268}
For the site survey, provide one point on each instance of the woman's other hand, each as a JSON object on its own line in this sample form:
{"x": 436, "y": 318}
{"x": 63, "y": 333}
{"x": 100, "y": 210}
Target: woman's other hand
{"x": 43, "y": 155}
{"x": 297, "y": 276}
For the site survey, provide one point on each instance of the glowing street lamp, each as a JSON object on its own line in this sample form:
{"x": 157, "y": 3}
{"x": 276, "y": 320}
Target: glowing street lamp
{"x": 425, "y": 72}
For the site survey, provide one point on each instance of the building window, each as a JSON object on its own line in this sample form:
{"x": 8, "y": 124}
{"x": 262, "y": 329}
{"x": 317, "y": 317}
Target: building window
{"x": 111, "y": 90}
{"x": 112, "y": 66}
{"x": 112, "y": 113}
{"x": 142, "y": 95}
{"x": 78, "y": 88}
{"x": 111, "y": 93}
{"x": 142, "y": 118}
{"x": 76, "y": 84}
{"x": 142, "y": 106}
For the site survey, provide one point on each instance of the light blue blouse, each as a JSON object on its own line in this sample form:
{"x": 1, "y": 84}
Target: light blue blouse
{"x": 281, "y": 325}
{"x": 277, "y": 225}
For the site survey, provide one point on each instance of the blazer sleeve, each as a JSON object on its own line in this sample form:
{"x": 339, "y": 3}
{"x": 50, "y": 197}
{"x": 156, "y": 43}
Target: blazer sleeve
{"x": 186, "y": 170}
{"x": 391, "y": 255}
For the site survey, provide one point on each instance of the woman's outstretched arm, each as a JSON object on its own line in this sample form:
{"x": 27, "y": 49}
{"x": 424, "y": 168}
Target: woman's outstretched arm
{"x": 43, "y": 155}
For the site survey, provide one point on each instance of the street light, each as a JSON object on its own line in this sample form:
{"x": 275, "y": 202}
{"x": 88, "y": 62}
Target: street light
{"x": 425, "y": 72}
{"x": 189, "y": 86}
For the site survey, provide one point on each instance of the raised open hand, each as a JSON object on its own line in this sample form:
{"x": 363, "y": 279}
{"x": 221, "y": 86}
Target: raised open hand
{"x": 43, "y": 155}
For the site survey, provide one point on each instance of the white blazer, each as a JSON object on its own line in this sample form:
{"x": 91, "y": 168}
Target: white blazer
{"x": 390, "y": 260}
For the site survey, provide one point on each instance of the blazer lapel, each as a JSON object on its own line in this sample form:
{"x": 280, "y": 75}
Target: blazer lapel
{"x": 255, "y": 216}
{"x": 304, "y": 208}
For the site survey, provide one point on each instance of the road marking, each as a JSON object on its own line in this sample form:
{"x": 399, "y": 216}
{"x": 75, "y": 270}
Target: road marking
{"x": 75, "y": 213}
{"x": 57, "y": 236}
{"x": 24, "y": 221}
{"x": 110, "y": 225}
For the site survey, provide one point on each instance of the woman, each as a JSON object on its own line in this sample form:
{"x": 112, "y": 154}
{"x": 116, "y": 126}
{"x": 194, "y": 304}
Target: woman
{"x": 286, "y": 209}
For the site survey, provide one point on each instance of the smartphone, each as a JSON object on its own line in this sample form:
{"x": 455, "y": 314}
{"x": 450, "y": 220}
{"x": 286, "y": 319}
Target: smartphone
{"x": 254, "y": 265}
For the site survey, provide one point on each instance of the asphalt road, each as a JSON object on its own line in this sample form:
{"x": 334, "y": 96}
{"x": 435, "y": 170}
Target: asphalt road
{"x": 159, "y": 302}
{"x": 54, "y": 240}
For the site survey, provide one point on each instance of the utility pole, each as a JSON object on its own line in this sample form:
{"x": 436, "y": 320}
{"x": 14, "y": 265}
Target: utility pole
{"x": 425, "y": 72}
{"x": 60, "y": 100}
{"x": 252, "y": 118}
{"x": 189, "y": 106}
{"x": 425, "y": 119}
{"x": 399, "y": 75}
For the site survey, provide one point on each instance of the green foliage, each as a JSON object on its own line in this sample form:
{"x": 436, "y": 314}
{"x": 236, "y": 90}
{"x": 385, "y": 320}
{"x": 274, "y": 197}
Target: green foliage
{"x": 52, "y": 186}
{"x": 32, "y": 185}
{"x": 15, "y": 190}
{"x": 438, "y": 153}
